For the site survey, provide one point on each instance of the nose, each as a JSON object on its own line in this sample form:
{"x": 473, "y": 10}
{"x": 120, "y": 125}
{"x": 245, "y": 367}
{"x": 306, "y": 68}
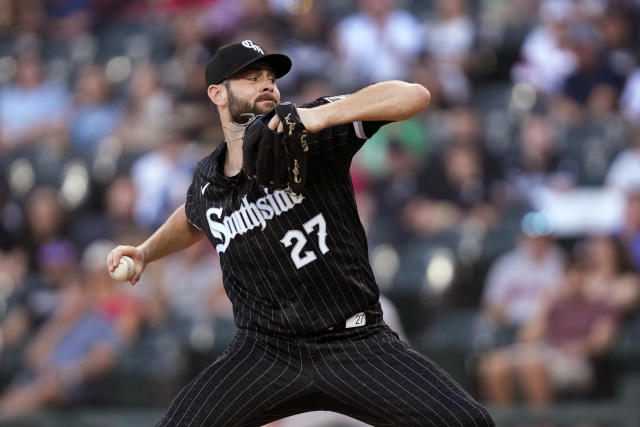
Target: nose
{"x": 267, "y": 85}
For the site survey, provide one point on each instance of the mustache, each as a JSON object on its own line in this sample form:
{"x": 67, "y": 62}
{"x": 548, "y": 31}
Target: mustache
{"x": 267, "y": 97}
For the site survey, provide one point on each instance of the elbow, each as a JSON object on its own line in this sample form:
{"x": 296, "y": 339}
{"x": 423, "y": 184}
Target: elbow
{"x": 421, "y": 95}
{"x": 415, "y": 98}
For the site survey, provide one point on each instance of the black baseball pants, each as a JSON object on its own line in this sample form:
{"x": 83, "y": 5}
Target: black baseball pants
{"x": 366, "y": 373}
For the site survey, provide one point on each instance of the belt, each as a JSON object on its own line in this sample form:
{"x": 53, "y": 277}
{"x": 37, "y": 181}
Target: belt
{"x": 355, "y": 321}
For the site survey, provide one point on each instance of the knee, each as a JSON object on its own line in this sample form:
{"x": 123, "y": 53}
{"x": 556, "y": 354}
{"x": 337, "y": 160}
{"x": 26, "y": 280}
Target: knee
{"x": 483, "y": 418}
{"x": 493, "y": 365}
{"x": 463, "y": 411}
{"x": 472, "y": 415}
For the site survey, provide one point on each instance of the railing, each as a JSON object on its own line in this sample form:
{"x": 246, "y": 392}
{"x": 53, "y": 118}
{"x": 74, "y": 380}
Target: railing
{"x": 622, "y": 411}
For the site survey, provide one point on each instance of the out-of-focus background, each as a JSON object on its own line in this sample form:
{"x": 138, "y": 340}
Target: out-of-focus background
{"x": 503, "y": 221}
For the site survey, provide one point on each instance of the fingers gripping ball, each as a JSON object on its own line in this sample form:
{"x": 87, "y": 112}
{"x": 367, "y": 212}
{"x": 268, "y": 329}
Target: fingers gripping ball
{"x": 125, "y": 270}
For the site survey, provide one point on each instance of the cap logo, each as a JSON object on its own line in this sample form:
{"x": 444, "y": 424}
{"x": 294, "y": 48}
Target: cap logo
{"x": 249, "y": 44}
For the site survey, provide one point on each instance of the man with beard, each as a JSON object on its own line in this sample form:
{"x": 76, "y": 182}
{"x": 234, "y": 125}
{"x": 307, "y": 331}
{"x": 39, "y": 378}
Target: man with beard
{"x": 295, "y": 267}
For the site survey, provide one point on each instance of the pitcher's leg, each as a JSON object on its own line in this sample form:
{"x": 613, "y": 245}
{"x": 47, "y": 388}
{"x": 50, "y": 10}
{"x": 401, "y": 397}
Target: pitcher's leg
{"x": 245, "y": 381}
{"x": 396, "y": 385}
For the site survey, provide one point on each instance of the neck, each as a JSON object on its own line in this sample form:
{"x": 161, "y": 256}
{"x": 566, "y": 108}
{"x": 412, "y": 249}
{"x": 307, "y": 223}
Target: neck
{"x": 233, "y": 135}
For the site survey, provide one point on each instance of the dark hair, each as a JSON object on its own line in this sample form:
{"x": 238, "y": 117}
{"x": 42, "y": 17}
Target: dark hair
{"x": 624, "y": 263}
{"x": 621, "y": 254}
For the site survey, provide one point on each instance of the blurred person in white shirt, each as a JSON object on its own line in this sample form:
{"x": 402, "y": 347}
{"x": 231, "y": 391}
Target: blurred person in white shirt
{"x": 517, "y": 284}
{"x": 378, "y": 42}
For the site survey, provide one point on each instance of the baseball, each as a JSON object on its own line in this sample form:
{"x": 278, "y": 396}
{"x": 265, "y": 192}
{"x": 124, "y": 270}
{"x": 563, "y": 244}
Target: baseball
{"x": 125, "y": 270}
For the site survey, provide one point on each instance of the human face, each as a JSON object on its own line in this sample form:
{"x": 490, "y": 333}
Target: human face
{"x": 252, "y": 90}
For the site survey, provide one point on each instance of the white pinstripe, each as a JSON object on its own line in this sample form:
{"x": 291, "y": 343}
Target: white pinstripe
{"x": 202, "y": 374}
{"x": 417, "y": 385}
{"x": 386, "y": 386}
{"x": 207, "y": 382}
{"x": 233, "y": 386}
{"x": 464, "y": 396}
{"x": 344, "y": 395}
{"x": 268, "y": 385}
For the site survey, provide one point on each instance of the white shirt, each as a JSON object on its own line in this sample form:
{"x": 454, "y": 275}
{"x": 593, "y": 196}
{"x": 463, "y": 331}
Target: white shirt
{"x": 630, "y": 98}
{"x": 545, "y": 65}
{"x": 624, "y": 172}
{"x": 379, "y": 53}
{"x": 519, "y": 283}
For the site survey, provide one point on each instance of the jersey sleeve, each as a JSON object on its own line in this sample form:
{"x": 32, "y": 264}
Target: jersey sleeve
{"x": 336, "y": 146}
{"x": 191, "y": 205}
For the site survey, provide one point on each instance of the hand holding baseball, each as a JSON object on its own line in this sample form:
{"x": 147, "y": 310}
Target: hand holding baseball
{"x": 125, "y": 270}
{"x": 126, "y": 263}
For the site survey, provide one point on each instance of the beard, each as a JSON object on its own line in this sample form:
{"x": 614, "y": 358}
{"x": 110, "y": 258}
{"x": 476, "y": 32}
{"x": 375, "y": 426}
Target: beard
{"x": 242, "y": 111}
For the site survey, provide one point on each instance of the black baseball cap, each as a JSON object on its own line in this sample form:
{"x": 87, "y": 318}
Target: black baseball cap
{"x": 231, "y": 58}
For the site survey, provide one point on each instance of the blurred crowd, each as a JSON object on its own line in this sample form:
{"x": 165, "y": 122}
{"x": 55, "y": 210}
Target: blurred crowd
{"x": 515, "y": 195}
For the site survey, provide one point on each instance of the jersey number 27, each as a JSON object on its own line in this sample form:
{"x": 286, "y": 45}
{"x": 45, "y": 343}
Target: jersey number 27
{"x": 300, "y": 240}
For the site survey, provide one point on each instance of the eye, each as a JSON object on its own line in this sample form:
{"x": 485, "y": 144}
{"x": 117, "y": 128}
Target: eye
{"x": 253, "y": 79}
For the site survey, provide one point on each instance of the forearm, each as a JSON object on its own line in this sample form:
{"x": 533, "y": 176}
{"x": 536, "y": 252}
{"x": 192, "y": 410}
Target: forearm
{"x": 175, "y": 234}
{"x": 600, "y": 338}
{"x": 386, "y": 101}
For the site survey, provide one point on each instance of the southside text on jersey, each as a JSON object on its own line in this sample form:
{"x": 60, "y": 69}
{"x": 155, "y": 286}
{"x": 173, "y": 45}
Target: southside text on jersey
{"x": 249, "y": 216}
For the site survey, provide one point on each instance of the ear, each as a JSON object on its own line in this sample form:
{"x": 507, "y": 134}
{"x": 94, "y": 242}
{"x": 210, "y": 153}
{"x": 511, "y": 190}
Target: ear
{"x": 217, "y": 94}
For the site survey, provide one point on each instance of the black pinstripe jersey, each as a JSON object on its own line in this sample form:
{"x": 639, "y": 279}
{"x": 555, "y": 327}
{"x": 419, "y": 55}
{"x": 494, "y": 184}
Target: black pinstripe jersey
{"x": 291, "y": 264}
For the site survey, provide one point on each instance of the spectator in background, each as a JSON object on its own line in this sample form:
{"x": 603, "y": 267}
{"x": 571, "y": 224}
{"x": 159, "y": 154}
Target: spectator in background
{"x": 616, "y": 25}
{"x": 183, "y": 71}
{"x": 537, "y": 162}
{"x": 630, "y": 98}
{"x": 376, "y": 159}
{"x": 307, "y": 45}
{"x": 95, "y": 114}
{"x": 31, "y": 108}
{"x": 75, "y": 346}
{"x": 117, "y": 303}
{"x": 450, "y": 35}
{"x": 114, "y": 217}
{"x": 594, "y": 87}
{"x": 148, "y": 109}
{"x": 220, "y": 21}
{"x": 629, "y": 233}
{"x": 192, "y": 290}
{"x": 188, "y": 300}
{"x": 46, "y": 220}
{"x": 394, "y": 191}
{"x": 449, "y": 39}
{"x": 11, "y": 218}
{"x": 377, "y": 43}
{"x": 545, "y": 59}
{"x": 161, "y": 177}
{"x": 35, "y": 299}
{"x": 517, "y": 285}
{"x": 610, "y": 275}
{"x": 119, "y": 207}
{"x": 22, "y": 18}
{"x": 425, "y": 71}
{"x": 556, "y": 349}
{"x": 68, "y": 19}
{"x": 259, "y": 16}
{"x": 462, "y": 181}
{"x": 624, "y": 171}
{"x": 13, "y": 279}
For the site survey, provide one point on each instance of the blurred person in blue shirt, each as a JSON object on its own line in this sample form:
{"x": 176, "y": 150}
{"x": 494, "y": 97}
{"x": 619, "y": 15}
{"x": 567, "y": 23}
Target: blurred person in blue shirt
{"x": 95, "y": 114}
{"x": 76, "y": 345}
{"x": 32, "y": 109}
